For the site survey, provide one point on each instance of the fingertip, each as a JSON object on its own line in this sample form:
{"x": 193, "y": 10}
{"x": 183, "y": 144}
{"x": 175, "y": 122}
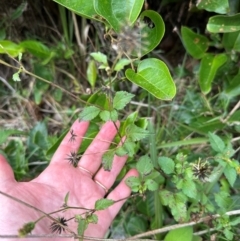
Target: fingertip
{"x": 6, "y": 172}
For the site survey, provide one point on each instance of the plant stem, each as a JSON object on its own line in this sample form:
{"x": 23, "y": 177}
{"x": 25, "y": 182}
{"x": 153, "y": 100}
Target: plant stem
{"x": 157, "y": 202}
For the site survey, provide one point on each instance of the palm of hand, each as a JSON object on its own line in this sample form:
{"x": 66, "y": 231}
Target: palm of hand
{"x": 47, "y": 191}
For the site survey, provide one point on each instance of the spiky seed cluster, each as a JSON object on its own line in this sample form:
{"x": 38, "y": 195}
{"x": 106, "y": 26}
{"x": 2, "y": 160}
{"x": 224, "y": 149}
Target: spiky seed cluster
{"x": 56, "y": 228}
{"x": 130, "y": 40}
{"x": 73, "y": 158}
{"x": 73, "y": 136}
{"x": 201, "y": 170}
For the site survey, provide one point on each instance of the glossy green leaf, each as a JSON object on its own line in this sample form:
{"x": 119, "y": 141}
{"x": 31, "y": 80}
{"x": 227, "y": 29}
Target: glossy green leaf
{"x": 118, "y": 13}
{"x": 92, "y": 73}
{"x": 36, "y": 48}
{"x": 89, "y": 113}
{"x": 216, "y": 143}
{"x": 144, "y": 165}
{"x": 208, "y": 69}
{"x": 121, "y": 99}
{"x": 180, "y": 234}
{"x": 80, "y": 7}
{"x": 166, "y": 164}
{"x": 195, "y": 44}
{"x": 231, "y": 41}
{"x": 153, "y": 76}
{"x": 103, "y": 203}
{"x": 9, "y": 47}
{"x": 151, "y": 31}
{"x": 234, "y": 87}
{"x": 224, "y": 24}
{"x": 219, "y": 6}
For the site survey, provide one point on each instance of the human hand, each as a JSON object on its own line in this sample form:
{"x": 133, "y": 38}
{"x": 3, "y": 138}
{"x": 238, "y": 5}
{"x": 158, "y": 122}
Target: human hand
{"x": 47, "y": 191}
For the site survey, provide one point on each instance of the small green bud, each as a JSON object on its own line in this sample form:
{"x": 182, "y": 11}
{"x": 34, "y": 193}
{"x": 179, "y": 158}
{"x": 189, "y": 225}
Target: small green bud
{"x": 26, "y": 229}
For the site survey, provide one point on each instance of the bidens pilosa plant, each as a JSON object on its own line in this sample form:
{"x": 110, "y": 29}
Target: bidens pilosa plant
{"x": 177, "y": 187}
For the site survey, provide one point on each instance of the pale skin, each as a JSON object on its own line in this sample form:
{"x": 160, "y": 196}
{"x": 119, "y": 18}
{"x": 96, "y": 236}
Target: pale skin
{"x": 47, "y": 191}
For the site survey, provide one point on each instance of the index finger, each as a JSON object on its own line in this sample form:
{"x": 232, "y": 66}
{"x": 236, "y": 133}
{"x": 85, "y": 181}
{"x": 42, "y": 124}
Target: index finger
{"x": 71, "y": 141}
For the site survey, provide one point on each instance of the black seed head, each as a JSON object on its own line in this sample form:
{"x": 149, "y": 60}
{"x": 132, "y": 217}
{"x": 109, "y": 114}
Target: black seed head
{"x": 73, "y": 136}
{"x": 56, "y": 227}
{"x": 201, "y": 170}
{"x": 73, "y": 158}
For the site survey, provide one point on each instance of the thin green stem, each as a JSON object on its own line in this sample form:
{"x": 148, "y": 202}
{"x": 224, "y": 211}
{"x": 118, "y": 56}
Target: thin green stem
{"x": 157, "y": 201}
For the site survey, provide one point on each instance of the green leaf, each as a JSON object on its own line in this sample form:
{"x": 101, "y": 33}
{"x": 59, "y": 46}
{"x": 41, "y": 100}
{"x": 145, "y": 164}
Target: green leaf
{"x": 16, "y": 77}
{"x": 80, "y": 7}
{"x": 103, "y": 203}
{"x": 189, "y": 188}
{"x": 106, "y": 115}
{"x": 144, "y": 165}
{"x": 15, "y": 14}
{"x": 36, "y": 48}
{"x": 219, "y": 6}
{"x": 135, "y": 225}
{"x": 129, "y": 146}
{"x": 121, "y": 99}
{"x": 92, "y": 73}
{"x": 224, "y": 24}
{"x": 134, "y": 183}
{"x": 223, "y": 200}
{"x": 38, "y": 136}
{"x": 121, "y": 64}
{"x": 208, "y": 69}
{"x": 180, "y": 234}
{"x": 107, "y": 160}
{"x": 82, "y": 225}
{"x": 234, "y": 87}
{"x": 118, "y": 13}
{"x": 153, "y": 76}
{"x": 100, "y": 57}
{"x": 121, "y": 151}
{"x": 166, "y": 164}
{"x": 150, "y": 36}
{"x": 231, "y": 41}
{"x": 231, "y": 174}
{"x": 89, "y": 113}
{"x": 216, "y": 143}
{"x": 151, "y": 185}
{"x": 177, "y": 204}
{"x": 4, "y": 134}
{"x": 10, "y": 48}
{"x": 66, "y": 199}
{"x": 93, "y": 218}
{"x": 195, "y": 44}
{"x": 136, "y": 133}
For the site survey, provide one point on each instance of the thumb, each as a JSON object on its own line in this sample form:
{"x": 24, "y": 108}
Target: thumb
{"x": 6, "y": 172}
